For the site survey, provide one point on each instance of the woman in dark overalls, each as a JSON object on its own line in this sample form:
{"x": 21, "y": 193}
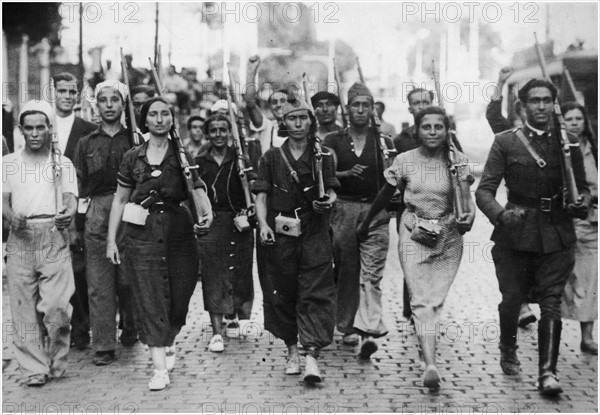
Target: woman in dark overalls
{"x": 161, "y": 253}
{"x": 226, "y": 252}
{"x": 298, "y": 286}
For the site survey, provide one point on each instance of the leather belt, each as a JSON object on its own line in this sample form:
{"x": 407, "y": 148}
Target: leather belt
{"x": 37, "y": 217}
{"x": 543, "y": 204}
{"x": 161, "y": 207}
{"x": 300, "y": 211}
{"x": 361, "y": 199}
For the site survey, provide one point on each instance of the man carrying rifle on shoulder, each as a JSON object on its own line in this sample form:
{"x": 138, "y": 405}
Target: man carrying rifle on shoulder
{"x": 359, "y": 266}
{"x": 534, "y": 234}
{"x": 97, "y": 160}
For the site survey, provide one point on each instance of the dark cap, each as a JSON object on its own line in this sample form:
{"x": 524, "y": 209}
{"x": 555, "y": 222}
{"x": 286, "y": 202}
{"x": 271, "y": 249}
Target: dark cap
{"x": 314, "y": 100}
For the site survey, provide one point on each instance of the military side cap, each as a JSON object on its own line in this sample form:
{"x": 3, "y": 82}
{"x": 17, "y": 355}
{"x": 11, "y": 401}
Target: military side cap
{"x": 295, "y": 103}
{"x": 359, "y": 90}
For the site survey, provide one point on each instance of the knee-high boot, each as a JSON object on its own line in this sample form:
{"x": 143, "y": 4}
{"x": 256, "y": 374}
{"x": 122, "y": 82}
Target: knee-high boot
{"x": 548, "y": 344}
{"x": 509, "y": 320}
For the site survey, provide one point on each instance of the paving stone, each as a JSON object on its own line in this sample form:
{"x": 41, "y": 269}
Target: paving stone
{"x": 248, "y": 377}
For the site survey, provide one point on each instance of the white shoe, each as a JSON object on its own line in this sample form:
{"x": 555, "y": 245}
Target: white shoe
{"x": 159, "y": 381}
{"x": 216, "y": 344}
{"x": 170, "y": 352}
{"x": 312, "y": 374}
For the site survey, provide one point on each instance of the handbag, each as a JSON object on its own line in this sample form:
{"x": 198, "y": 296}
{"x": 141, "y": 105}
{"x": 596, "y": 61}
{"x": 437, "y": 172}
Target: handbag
{"x": 426, "y": 231}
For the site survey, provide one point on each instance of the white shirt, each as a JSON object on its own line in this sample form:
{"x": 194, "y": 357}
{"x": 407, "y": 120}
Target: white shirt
{"x": 32, "y": 185}
{"x": 267, "y": 134}
{"x": 63, "y": 130}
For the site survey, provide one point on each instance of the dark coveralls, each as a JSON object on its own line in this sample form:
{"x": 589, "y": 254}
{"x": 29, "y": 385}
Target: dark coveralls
{"x": 161, "y": 256}
{"x": 97, "y": 160}
{"x": 225, "y": 253}
{"x": 538, "y": 252}
{"x": 298, "y": 286}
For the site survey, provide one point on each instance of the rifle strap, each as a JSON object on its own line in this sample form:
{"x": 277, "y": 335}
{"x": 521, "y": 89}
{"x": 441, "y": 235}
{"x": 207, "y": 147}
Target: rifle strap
{"x": 293, "y": 172}
{"x": 538, "y": 159}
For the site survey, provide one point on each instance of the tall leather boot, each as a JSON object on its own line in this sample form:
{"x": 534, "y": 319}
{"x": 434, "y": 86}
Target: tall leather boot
{"x": 548, "y": 344}
{"x": 509, "y": 320}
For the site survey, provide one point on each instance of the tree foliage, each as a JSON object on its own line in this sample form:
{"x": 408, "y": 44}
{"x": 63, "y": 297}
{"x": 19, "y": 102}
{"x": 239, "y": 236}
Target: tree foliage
{"x": 37, "y": 20}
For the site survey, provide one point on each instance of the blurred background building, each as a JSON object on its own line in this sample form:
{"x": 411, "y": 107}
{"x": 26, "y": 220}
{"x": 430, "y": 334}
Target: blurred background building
{"x": 396, "y": 43}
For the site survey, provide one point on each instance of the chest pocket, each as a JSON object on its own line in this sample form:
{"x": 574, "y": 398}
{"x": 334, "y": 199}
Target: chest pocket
{"x": 94, "y": 162}
{"x": 139, "y": 173}
{"x": 523, "y": 166}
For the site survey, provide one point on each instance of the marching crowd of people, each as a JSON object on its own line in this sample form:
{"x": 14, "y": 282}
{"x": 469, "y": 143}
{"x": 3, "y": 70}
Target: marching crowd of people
{"x": 113, "y": 240}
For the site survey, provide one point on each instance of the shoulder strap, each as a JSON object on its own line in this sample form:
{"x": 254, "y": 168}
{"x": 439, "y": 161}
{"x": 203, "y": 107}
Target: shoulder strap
{"x": 289, "y": 166}
{"x": 540, "y": 161}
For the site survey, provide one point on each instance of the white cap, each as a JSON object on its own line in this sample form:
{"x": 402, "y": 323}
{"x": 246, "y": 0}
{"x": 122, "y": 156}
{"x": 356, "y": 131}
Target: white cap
{"x": 118, "y": 86}
{"x": 38, "y": 106}
{"x": 222, "y": 105}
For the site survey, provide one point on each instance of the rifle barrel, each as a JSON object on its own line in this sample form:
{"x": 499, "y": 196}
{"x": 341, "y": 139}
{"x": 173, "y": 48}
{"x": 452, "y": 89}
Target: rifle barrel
{"x": 237, "y": 143}
{"x": 157, "y": 83}
{"x": 55, "y": 153}
{"x": 542, "y": 60}
{"x": 133, "y": 136}
{"x": 579, "y": 101}
{"x": 437, "y": 84}
{"x": 561, "y": 135}
{"x": 340, "y": 95}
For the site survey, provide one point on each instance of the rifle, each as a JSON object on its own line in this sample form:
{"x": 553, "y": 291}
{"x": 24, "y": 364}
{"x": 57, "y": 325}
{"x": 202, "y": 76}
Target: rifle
{"x": 186, "y": 168}
{"x": 579, "y": 101}
{"x": 560, "y": 131}
{"x": 452, "y": 150}
{"x": 135, "y": 137}
{"x": 239, "y": 119}
{"x": 55, "y": 154}
{"x": 339, "y": 90}
{"x": 376, "y": 122}
{"x": 316, "y": 147}
{"x": 156, "y": 79}
{"x": 241, "y": 159}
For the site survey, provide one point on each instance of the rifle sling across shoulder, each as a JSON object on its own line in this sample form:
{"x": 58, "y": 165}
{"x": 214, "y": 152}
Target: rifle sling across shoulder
{"x": 289, "y": 166}
{"x": 538, "y": 159}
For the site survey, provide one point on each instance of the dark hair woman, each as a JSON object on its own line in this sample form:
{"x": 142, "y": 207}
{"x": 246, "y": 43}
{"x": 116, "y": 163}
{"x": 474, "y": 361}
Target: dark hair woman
{"x": 161, "y": 253}
{"x": 226, "y": 253}
{"x": 429, "y": 263}
{"x": 580, "y": 301}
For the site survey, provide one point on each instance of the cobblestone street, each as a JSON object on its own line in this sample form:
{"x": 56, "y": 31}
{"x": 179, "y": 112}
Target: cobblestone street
{"x": 248, "y": 377}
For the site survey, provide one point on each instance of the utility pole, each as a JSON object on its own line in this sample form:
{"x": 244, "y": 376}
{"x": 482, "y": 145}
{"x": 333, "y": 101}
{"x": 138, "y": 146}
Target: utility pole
{"x": 80, "y": 52}
{"x": 156, "y": 36}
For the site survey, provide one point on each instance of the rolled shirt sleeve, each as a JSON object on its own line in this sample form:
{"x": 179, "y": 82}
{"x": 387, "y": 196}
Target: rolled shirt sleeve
{"x": 264, "y": 181}
{"x": 125, "y": 173}
{"x": 69, "y": 177}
